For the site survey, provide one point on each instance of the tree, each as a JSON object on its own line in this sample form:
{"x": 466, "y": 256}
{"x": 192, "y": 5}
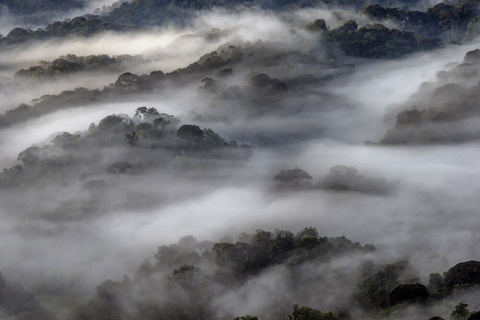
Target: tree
{"x": 375, "y": 11}
{"x": 119, "y": 167}
{"x": 318, "y": 25}
{"x": 408, "y": 293}
{"x": 292, "y": 177}
{"x": 66, "y": 140}
{"x": 462, "y": 275}
{"x": 62, "y": 65}
{"x": 306, "y": 313}
{"x": 213, "y": 139}
{"x": 190, "y": 132}
{"x": 344, "y": 178}
{"x": 30, "y": 157}
{"x": 308, "y": 232}
{"x": 373, "y": 288}
{"x": 18, "y": 35}
{"x": 247, "y": 317}
{"x": 461, "y": 312}
{"x": 436, "y": 285}
{"x": 146, "y": 114}
{"x": 187, "y": 277}
{"x": 128, "y": 82}
{"x": 132, "y": 138}
{"x": 474, "y": 316}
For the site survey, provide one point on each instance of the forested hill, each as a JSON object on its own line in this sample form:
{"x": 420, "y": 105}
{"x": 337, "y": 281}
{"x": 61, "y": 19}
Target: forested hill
{"x": 187, "y": 280}
{"x": 25, "y": 7}
{"x": 31, "y": 7}
{"x": 388, "y": 33}
{"x": 146, "y": 12}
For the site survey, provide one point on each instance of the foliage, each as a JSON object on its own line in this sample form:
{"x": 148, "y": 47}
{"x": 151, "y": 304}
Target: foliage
{"x": 25, "y": 7}
{"x": 306, "y": 313}
{"x": 409, "y": 293}
{"x": 317, "y": 26}
{"x": 71, "y": 63}
{"x": 260, "y": 92}
{"x": 373, "y": 40}
{"x": 201, "y": 275}
{"x": 17, "y": 303}
{"x": 146, "y": 13}
{"x": 75, "y": 27}
{"x": 247, "y": 317}
{"x": 344, "y": 178}
{"x": 462, "y": 275}
{"x": 453, "y": 21}
{"x": 266, "y": 249}
{"x": 374, "y": 287}
{"x": 138, "y": 138}
{"x": 454, "y": 97}
{"x": 291, "y": 177}
{"x": 461, "y": 312}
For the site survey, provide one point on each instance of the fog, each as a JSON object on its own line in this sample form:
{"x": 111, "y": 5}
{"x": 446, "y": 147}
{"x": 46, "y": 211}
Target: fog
{"x": 40, "y": 19}
{"x": 428, "y": 213}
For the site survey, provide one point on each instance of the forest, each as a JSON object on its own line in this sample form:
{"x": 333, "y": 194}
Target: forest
{"x": 241, "y": 159}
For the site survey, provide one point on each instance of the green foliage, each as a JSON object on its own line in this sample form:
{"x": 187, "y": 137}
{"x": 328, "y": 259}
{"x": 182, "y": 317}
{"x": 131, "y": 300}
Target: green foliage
{"x": 436, "y": 286}
{"x": 213, "y": 139}
{"x": 69, "y": 157}
{"x": 463, "y": 275}
{"x": 78, "y": 26}
{"x": 409, "y": 293}
{"x": 461, "y": 312}
{"x": 450, "y": 20}
{"x": 191, "y": 292}
{"x": 473, "y": 29}
{"x": 186, "y": 277}
{"x": 71, "y": 63}
{"x": 25, "y": 7}
{"x": 318, "y": 25}
{"x": 113, "y": 123}
{"x": 306, "y": 313}
{"x": 291, "y": 178}
{"x": 247, "y": 317}
{"x": 149, "y": 13}
{"x": 266, "y": 249}
{"x": 373, "y": 40}
{"x": 374, "y": 287}
{"x": 375, "y": 11}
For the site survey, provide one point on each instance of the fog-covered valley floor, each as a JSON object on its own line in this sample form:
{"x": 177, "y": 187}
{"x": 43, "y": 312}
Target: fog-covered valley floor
{"x": 71, "y": 219}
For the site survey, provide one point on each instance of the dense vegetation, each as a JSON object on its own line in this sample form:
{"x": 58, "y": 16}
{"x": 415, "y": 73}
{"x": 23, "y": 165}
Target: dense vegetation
{"x": 145, "y": 142}
{"x": 257, "y": 91}
{"x": 453, "y": 21}
{"x": 416, "y": 30}
{"x": 29, "y": 7}
{"x": 377, "y": 41}
{"x": 70, "y": 63}
{"x": 441, "y": 111}
{"x": 188, "y": 277}
{"x": 340, "y": 178}
{"x": 151, "y": 167}
{"x": 78, "y": 26}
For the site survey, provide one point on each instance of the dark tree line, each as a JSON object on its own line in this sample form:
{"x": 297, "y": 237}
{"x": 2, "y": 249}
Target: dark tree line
{"x": 440, "y": 110}
{"x": 155, "y": 140}
{"x": 186, "y": 278}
